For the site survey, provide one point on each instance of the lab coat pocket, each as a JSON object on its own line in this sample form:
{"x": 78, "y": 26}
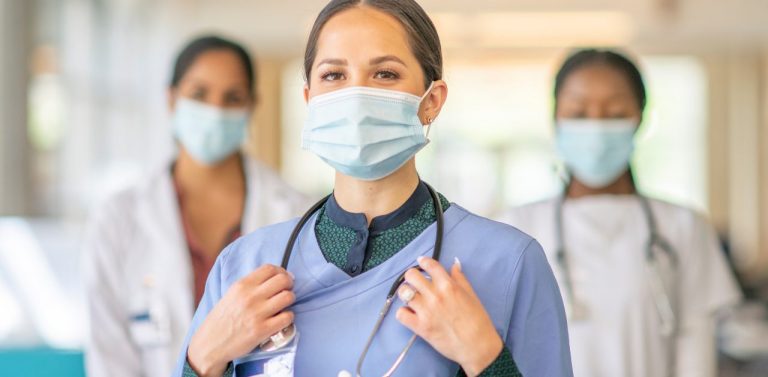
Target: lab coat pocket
{"x": 151, "y": 326}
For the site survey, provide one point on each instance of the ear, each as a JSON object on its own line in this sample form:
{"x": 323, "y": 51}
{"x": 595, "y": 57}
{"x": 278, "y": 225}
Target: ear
{"x": 255, "y": 102}
{"x": 433, "y": 102}
{"x": 638, "y": 123}
{"x": 306, "y": 93}
{"x": 171, "y": 98}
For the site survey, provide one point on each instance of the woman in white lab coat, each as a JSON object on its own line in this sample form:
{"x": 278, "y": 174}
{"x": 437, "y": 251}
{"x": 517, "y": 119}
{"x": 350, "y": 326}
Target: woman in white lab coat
{"x": 643, "y": 280}
{"x": 150, "y": 247}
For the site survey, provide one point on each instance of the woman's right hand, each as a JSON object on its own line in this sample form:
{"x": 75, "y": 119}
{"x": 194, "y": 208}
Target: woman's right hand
{"x": 249, "y": 313}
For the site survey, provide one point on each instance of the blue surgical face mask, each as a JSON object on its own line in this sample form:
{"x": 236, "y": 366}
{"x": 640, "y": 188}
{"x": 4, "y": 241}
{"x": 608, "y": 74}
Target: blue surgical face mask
{"x": 596, "y": 151}
{"x": 363, "y": 132}
{"x": 209, "y": 133}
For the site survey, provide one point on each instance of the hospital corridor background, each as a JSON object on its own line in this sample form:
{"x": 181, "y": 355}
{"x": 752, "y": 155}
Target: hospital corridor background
{"x": 84, "y": 113}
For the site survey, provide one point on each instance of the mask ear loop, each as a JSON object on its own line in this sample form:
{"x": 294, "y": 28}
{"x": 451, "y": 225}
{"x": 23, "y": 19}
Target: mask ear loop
{"x": 429, "y": 127}
{"x": 429, "y": 119}
{"x": 426, "y": 93}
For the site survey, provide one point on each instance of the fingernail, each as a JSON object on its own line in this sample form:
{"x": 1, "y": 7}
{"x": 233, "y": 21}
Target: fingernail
{"x": 419, "y": 259}
{"x": 293, "y": 277}
{"x": 406, "y": 294}
{"x": 457, "y": 262}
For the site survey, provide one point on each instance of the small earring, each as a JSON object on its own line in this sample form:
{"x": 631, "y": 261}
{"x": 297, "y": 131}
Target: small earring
{"x": 429, "y": 120}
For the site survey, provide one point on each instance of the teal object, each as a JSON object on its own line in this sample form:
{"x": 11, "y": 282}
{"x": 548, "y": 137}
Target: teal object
{"x": 39, "y": 362}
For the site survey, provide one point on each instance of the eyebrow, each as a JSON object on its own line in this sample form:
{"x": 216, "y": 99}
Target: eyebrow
{"x": 197, "y": 83}
{"x": 386, "y": 58}
{"x": 374, "y": 61}
{"x": 332, "y": 62}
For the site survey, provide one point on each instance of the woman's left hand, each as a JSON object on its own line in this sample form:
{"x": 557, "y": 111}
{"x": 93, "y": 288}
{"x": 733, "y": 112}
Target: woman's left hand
{"x": 447, "y": 314}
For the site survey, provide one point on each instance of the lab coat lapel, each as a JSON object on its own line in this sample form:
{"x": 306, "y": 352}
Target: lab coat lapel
{"x": 172, "y": 265}
{"x": 254, "y": 205}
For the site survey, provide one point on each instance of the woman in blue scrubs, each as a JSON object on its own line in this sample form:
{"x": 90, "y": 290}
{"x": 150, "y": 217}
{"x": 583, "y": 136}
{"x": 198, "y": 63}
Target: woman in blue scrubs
{"x": 488, "y": 306}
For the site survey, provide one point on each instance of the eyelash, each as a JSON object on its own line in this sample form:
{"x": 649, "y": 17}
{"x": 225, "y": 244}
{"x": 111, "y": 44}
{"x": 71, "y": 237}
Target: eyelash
{"x": 582, "y": 115}
{"x": 324, "y": 76}
{"x": 392, "y": 75}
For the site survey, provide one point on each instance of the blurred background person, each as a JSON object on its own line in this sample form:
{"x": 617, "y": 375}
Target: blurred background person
{"x": 150, "y": 247}
{"x": 644, "y": 280}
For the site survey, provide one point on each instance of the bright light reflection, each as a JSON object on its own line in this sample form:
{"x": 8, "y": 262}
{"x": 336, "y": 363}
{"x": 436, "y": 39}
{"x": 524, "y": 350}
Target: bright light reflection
{"x": 25, "y": 265}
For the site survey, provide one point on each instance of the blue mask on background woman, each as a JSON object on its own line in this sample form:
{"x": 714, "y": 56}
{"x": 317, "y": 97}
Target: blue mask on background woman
{"x": 596, "y": 151}
{"x": 364, "y": 132}
{"x": 209, "y": 133}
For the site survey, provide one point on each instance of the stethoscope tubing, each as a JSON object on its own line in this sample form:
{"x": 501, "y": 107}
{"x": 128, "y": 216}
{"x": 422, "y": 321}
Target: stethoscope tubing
{"x": 662, "y": 298}
{"x": 436, "y": 251}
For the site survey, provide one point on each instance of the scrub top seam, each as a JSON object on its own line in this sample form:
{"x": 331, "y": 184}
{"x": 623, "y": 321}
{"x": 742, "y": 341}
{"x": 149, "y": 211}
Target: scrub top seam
{"x": 223, "y": 259}
{"x": 509, "y": 299}
{"x": 301, "y": 258}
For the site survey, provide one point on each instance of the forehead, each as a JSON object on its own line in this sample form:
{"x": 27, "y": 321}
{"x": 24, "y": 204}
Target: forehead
{"x": 221, "y": 63}
{"x": 597, "y": 81}
{"x": 362, "y": 26}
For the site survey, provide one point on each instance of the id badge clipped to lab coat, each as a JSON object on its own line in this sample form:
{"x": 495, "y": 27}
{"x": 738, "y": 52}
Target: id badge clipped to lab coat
{"x": 150, "y": 321}
{"x": 266, "y": 362}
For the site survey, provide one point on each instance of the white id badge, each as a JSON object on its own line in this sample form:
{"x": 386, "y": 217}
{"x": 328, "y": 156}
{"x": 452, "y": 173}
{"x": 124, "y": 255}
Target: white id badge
{"x": 275, "y": 363}
{"x": 151, "y": 328}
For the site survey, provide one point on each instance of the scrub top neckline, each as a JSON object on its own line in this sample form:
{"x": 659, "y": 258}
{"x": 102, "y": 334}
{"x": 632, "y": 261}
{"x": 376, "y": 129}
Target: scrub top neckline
{"x": 379, "y": 224}
{"x": 330, "y": 277}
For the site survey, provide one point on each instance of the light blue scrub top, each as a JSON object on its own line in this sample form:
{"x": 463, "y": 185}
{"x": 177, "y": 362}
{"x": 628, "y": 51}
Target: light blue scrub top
{"x": 335, "y": 313}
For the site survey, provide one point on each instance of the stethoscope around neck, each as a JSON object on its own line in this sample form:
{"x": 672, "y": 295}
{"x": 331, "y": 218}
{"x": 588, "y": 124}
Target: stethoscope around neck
{"x": 661, "y": 296}
{"x": 286, "y": 335}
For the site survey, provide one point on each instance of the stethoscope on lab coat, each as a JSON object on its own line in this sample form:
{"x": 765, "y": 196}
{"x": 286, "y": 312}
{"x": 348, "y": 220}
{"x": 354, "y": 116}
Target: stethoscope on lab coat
{"x": 662, "y": 298}
{"x": 285, "y": 336}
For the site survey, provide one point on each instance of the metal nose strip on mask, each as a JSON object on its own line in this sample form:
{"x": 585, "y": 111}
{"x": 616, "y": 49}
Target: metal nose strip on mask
{"x": 374, "y": 92}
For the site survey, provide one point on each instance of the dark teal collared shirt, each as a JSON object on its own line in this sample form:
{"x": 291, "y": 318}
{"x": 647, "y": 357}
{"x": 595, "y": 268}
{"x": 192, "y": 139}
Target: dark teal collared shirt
{"x": 347, "y": 240}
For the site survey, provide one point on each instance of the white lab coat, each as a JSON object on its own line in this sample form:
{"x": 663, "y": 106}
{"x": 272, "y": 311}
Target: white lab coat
{"x": 138, "y": 272}
{"x": 605, "y": 238}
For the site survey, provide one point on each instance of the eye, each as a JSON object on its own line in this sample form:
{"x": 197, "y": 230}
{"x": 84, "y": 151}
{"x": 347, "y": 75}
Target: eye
{"x": 332, "y": 76}
{"x": 386, "y": 74}
{"x": 234, "y": 99}
{"x": 198, "y": 94}
{"x": 618, "y": 113}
